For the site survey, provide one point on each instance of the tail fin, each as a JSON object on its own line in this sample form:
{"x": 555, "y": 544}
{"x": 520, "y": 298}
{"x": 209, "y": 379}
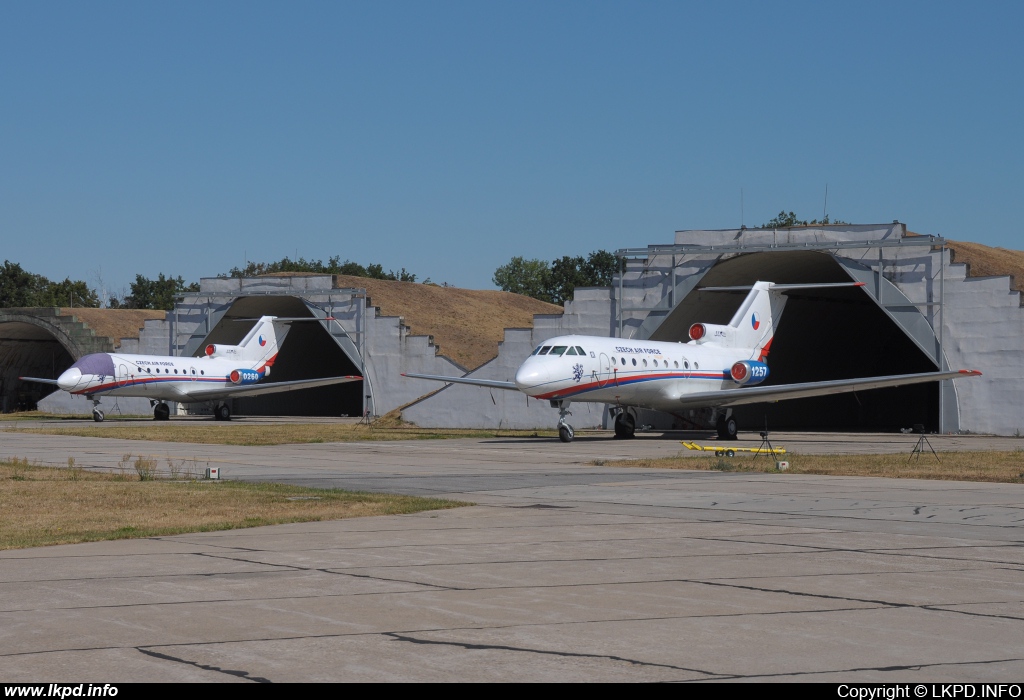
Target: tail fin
{"x": 757, "y": 318}
{"x": 262, "y": 343}
{"x": 754, "y": 323}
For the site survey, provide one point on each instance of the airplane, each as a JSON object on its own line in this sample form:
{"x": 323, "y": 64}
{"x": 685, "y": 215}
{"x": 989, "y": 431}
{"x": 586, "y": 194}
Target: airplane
{"x": 225, "y": 371}
{"x": 718, "y": 368}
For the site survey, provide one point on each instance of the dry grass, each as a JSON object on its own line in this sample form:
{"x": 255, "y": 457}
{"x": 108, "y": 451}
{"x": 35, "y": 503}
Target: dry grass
{"x": 212, "y": 433}
{"x": 114, "y": 323}
{"x": 45, "y": 506}
{"x": 1001, "y": 467}
{"x": 467, "y": 324}
{"x": 985, "y": 261}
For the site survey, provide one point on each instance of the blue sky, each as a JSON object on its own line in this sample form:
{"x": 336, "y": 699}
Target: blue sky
{"x": 447, "y": 137}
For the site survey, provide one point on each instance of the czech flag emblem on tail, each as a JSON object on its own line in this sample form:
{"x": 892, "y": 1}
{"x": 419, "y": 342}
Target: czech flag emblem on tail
{"x": 263, "y": 341}
{"x": 754, "y": 321}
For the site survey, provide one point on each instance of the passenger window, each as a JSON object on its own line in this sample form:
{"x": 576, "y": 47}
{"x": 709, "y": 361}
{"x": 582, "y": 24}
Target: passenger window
{"x": 623, "y": 360}
{"x": 686, "y": 365}
{"x": 202, "y": 372}
{"x": 544, "y": 350}
{"x": 655, "y": 363}
{"x": 645, "y": 362}
{"x": 634, "y": 362}
{"x": 558, "y": 350}
{"x": 175, "y": 371}
{"x": 696, "y": 366}
{"x": 572, "y": 351}
{"x": 676, "y": 363}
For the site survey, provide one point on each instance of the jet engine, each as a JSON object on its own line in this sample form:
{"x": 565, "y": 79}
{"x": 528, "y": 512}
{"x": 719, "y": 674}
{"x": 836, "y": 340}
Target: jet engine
{"x": 244, "y": 376}
{"x": 748, "y": 372}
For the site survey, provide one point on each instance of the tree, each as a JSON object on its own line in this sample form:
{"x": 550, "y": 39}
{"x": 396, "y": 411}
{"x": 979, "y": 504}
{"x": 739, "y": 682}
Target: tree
{"x": 20, "y": 288}
{"x": 787, "y": 220}
{"x": 17, "y": 286}
{"x": 556, "y": 283}
{"x": 522, "y": 276}
{"x": 154, "y": 294}
{"x": 68, "y": 293}
{"x": 333, "y": 266}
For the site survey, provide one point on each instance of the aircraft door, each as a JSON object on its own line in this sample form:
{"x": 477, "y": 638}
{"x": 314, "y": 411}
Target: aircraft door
{"x": 122, "y": 375}
{"x": 604, "y": 369}
{"x": 194, "y": 374}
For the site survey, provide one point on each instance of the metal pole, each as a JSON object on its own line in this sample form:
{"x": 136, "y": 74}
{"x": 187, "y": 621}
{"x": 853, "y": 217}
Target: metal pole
{"x": 618, "y": 306}
{"x": 942, "y": 322}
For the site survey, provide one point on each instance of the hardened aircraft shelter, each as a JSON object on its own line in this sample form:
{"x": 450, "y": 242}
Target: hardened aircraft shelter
{"x": 918, "y": 311}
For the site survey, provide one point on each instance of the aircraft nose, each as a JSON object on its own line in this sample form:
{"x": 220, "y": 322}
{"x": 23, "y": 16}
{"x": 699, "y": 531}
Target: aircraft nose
{"x": 69, "y": 379}
{"x": 529, "y": 376}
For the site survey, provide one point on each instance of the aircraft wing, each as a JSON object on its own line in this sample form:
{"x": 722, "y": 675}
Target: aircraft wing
{"x": 214, "y": 393}
{"x": 493, "y": 384}
{"x": 37, "y": 379}
{"x": 759, "y": 394}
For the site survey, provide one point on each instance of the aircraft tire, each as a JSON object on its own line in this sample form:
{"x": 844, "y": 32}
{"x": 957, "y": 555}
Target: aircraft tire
{"x": 161, "y": 412}
{"x": 727, "y": 429}
{"x": 625, "y": 426}
{"x": 565, "y": 433}
{"x": 97, "y": 415}
{"x": 222, "y": 412}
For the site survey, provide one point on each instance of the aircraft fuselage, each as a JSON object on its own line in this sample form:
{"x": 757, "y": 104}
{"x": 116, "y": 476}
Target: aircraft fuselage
{"x": 157, "y": 377}
{"x": 643, "y": 373}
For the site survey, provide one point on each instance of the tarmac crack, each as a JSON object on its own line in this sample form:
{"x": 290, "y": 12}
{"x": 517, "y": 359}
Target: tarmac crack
{"x": 900, "y": 667}
{"x": 218, "y": 669}
{"x": 546, "y": 652}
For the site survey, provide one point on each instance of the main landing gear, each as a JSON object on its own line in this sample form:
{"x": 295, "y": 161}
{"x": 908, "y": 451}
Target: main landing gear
{"x": 726, "y": 426}
{"x": 625, "y": 425}
{"x": 221, "y": 412}
{"x": 565, "y": 431}
{"x": 161, "y": 411}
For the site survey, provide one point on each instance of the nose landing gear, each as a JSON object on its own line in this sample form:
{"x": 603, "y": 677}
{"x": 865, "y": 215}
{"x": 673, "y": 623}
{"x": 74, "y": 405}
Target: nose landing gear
{"x": 565, "y": 431}
{"x": 97, "y": 413}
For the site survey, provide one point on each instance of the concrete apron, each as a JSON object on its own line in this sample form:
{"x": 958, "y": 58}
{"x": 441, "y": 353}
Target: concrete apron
{"x": 565, "y": 571}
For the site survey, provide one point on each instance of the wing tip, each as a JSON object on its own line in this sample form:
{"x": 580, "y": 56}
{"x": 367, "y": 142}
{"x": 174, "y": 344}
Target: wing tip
{"x": 970, "y": 372}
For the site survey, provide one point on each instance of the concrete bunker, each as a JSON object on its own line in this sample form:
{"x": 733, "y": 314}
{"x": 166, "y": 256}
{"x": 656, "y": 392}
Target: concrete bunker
{"x": 30, "y": 347}
{"x": 309, "y": 351}
{"x": 824, "y": 334}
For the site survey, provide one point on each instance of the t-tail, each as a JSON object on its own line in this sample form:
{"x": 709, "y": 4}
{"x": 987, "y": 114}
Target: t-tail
{"x": 753, "y": 325}
{"x": 259, "y": 347}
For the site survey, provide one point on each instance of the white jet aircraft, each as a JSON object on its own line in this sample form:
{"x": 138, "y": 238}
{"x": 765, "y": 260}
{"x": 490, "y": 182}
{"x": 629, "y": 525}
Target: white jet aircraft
{"x": 718, "y": 368}
{"x": 224, "y": 372}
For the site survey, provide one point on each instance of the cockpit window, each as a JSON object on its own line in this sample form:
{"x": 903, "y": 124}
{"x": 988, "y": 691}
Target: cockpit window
{"x": 535, "y": 350}
{"x": 558, "y": 350}
{"x": 98, "y": 363}
{"x": 580, "y": 350}
{"x": 544, "y": 350}
{"x": 572, "y": 351}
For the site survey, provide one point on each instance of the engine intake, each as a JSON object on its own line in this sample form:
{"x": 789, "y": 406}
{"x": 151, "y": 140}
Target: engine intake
{"x": 244, "y": 376}
{"x": 748, "y": 372}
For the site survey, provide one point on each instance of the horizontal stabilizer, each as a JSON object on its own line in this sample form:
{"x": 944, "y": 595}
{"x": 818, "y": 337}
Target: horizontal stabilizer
{"x": 491, "y": 383}
{"x": 783, "y": 287}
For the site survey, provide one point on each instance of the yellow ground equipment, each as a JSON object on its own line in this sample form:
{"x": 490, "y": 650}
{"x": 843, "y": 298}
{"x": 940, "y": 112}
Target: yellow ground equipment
{"x": 732, "y": 451}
